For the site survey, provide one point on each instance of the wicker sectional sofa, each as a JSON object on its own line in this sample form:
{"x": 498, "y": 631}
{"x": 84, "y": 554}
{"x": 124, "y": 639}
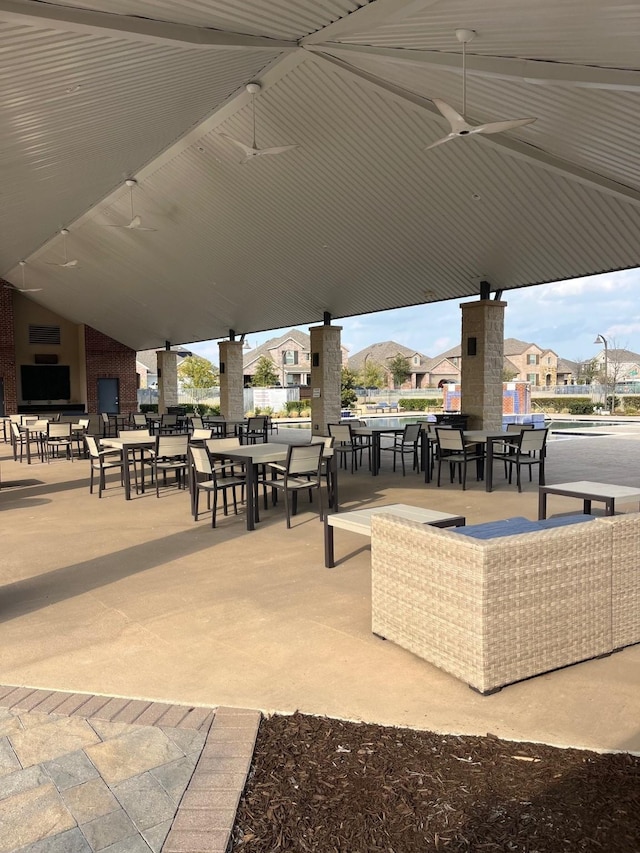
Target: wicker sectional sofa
{"x": 498, "y": 610}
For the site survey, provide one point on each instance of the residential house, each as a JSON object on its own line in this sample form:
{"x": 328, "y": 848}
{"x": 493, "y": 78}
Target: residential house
{"x": 523, "y": 361}
{"x": 291, "y": 357}
{"x": 568, "y": 372}
{"x": 147, "y": 365}
{"x": 623, "y": 365}
{"x": 383, "y": 353}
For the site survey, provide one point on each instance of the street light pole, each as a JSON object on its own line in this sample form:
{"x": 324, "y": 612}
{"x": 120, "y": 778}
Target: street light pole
{"x": 600, "y": 339}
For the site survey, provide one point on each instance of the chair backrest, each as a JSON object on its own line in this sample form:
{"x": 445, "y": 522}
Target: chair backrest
{"x": 83, "y": 423}
{"x": 219, "y": 445}
{"x": 196, "y": 423}
{"x": 92, "y": 446}
{"x": 257, "y": 423}
{"x": 341, "y": 433}
{"x": 172, "y": 445}
{"x": 139, "y": 419}
{"x": 39, "y": 426}
{"x": 134, "y": 433}
{"x": 15, "y": 419}
{"x": 304, "y": 458}
{"x": 201, "y": 460}
{"x": 518, "y": 427}
{"x": 532, "y": 440}
{"x": 105, "y": 417}
{"x": 15, "y": 429}
{"x": 411, "y": 433}
{"x": 25, "y": 420}
{"x": 450, "y": 439}
{"x": 201, "y": 434}
{"x": 169, "y": 420}
{"x": 59, "y": 430}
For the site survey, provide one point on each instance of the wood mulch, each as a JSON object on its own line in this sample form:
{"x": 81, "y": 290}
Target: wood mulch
{"x": 319, "y": 784}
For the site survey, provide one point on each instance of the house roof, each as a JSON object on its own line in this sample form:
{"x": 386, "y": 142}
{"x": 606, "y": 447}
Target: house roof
{"x": 382, "y": 351}
{"x": 265, "y": 348}
{"x": 358, "y": 217}
{"x": 149, "y": 358}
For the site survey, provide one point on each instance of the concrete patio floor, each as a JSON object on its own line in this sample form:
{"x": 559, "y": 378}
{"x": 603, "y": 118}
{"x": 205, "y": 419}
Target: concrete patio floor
{"x": 134, "y": 599}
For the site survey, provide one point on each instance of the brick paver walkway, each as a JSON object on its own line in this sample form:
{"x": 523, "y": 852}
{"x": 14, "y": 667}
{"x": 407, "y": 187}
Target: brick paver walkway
{"x": 81, "y": 773}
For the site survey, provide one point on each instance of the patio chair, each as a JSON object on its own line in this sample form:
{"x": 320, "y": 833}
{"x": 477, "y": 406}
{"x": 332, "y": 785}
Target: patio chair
{"x": 506, "y": 449}
{"x": 170, "y": 454}
{"x": 210, "y": 477}
{"x": 59, "y": 436}
{"x": 139, "y": 420}
{"x": 103, "y": 461}
{"x": 256, "y": 429}
{"x": 200, "y": 434}
{"x": 195, "y": 422}
{"x": 168, "y": 424}
{"x": 219, "y": 445}
{"x": 530, "y": 450}
{"x": 406, "y": 444}
{"x": 346, "y": 443}
{"x": 37, "y": 433}
{"x": 453, "y": 450}
{"x": 218, "y": 424}
{"x": 302, "y": 471}
{"x": 109, "y": 427}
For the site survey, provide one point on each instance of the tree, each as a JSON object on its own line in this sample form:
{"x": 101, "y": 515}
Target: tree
{"x": 372, "y": 374}
{"x": 400, "y": 370}
{"x": 508, "y": 375}
{"x": 348, "y": 383}
{"x": 265, "y": 375}
{"x": 194, "y": 371}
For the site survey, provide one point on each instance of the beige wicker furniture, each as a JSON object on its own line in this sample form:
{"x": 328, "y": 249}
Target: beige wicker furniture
{"x": 499, "y": 610}
{"x": 359, "y": 521}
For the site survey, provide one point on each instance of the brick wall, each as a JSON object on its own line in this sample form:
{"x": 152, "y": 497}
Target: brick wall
{"x": 109, "y": 359}
{"x": 7, "y": 349}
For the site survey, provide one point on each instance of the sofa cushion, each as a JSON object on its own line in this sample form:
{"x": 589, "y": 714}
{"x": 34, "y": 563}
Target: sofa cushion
{"x": 495, "y": 529}
{"x": 517, "y": 524}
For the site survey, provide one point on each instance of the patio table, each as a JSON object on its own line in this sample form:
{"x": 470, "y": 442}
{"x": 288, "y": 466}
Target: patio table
{"x": 587, "y": 491}
{"x": 253, "y": 455}
{"x": 359, "y": 521}
{"x": 475, "y": 436}
{"x": 127, "y": 445}
{"x": 374, "y": 433}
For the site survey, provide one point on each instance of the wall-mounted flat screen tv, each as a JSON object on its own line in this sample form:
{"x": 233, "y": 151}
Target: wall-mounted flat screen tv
{"x": 41, "y": 383}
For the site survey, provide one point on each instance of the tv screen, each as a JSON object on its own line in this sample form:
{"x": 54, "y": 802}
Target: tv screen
{"x": 40, "y": 383}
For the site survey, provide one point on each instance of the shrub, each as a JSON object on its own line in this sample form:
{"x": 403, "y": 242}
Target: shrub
{"x": 575, "y": 406}
{"x": 295, "y": 406}
{"x": 149, "y": 407}
{"x": 419, "y": 404}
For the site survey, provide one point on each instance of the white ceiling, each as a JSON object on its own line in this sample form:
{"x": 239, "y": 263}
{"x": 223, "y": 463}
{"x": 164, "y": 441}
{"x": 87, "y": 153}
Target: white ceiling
{"x": 358, "y": 218}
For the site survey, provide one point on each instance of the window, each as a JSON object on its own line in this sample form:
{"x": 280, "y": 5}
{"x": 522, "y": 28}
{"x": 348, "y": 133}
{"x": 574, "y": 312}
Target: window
{"x": 532, "y": 378}
{"x": 549, "y": 360}
{"x": 532, "y": 358}
{"x": 289, "y": 356}
{"x": 416, "y": 359}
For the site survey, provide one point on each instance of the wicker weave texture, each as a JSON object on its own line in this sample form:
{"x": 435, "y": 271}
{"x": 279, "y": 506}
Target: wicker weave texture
{"x": 492, "y": 611}
{"x": 625, "y": 578}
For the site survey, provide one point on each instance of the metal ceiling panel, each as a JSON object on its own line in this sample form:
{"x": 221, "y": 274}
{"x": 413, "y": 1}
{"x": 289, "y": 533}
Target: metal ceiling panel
{"x": 82, "y": 112}
{"x": 287, "y": 19}
{"x": 574, "y": 124}
{"x": 590, "y": 32}
{"x": 358, "y": 218}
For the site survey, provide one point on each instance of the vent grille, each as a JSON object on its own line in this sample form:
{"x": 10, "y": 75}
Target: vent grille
{"x": 44, "y": 335}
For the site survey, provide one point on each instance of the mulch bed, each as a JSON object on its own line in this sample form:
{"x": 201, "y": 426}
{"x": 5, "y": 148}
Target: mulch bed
{"x": 326, "y": 785}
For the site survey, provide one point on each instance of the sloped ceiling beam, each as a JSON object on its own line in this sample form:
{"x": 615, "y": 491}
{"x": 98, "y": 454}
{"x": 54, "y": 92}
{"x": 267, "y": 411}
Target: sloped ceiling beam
{"x": 367, "y": 18}
{"x": 500, "y": 141}
{"x": 35, "y": 13}
{"x": 533, "y": 71}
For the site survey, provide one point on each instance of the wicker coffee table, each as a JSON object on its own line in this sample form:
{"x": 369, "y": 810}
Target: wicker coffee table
{"x": 359, "y": 521}
{"x": 587, "y": 491}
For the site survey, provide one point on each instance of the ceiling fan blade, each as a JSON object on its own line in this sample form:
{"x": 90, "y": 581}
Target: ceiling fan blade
{"x": 454, "y": 118}
{"x": 28, "y": 289}
{"x": 66, "y": 264}
{"x": 500, "y": 126}
{"x": 248, "y": 150}
{"x": 136, "y": 225}
{"x": 447, "y": 138}
{"x": 279, "y": 149}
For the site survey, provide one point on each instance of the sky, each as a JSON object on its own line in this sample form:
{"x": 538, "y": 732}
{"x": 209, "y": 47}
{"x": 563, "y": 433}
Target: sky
{"x": 565, "y": 316}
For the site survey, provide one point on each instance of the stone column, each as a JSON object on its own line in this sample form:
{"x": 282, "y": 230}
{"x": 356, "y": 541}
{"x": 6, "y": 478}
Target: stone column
{"x": 167, "y": 380}
{"x": 326, "y": 367}
{"x": 482, "y": 363}
{"x": 231, "y": 380}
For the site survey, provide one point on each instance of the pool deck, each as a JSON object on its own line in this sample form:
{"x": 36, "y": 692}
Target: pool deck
{"x": 135, "y": 602}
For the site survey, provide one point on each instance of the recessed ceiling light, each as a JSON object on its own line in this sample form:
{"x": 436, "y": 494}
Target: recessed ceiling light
{"x": 476, "y": 196}
{"x": 71, "y": 90}
{"x": 201, "y": 148}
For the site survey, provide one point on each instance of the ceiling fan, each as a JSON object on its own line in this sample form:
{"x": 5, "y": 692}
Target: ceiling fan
{"x": 136, "y": 222}
{"x": 251, "y": 151}
{"x": 67, "y": 263}
{"x": 459, "y": 125}
{"x": 23, "y": 289}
